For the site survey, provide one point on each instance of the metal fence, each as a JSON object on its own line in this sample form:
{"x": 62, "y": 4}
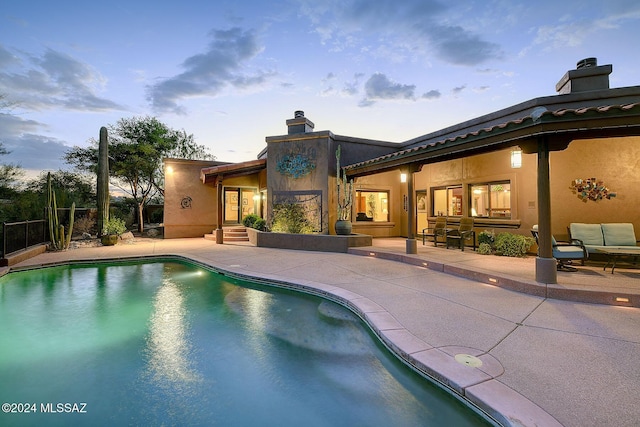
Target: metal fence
{"x": 21, "y": 235}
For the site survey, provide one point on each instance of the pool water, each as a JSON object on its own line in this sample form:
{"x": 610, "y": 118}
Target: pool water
{"x": 169, "y": 343}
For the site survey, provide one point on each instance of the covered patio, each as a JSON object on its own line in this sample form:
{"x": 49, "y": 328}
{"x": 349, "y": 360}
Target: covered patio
{"x": 549, "y": 126}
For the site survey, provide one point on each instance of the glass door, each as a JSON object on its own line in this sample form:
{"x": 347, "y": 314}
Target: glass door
{"x": 231, "y": 205}
{"x": 240, "y": 202}
{"x": 249, "y": 199}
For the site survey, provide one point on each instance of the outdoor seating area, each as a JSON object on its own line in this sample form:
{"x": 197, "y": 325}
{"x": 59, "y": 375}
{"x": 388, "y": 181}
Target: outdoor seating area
{"x": 439, "y": 230}
{"x": 596, "y": 237}
{"x": 565, "y": 253}
{"x": 458, "y": 236}
{"x": 455, "y": 235}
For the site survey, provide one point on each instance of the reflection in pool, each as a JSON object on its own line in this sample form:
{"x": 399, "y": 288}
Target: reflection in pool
{"x": 168, "y": 343}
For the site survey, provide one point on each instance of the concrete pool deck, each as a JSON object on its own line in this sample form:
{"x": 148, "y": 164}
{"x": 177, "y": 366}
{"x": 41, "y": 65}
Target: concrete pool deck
{"x": 545, "y": 361}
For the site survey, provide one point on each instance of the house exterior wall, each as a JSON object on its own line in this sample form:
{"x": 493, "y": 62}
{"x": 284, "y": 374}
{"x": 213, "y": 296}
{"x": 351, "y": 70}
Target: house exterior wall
{"x": 387, "y": 181}
{"x": 484, "y": 168}
{"x": 615, "y": 161}
{"x": 298, "y": 166}
{"x": 189, "y": 205}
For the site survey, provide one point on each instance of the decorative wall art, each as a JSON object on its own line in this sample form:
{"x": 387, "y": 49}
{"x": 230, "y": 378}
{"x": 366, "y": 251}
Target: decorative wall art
{"x": 591, "y": 189}
{"x": 297, "y": 163}
{"x": 185, "y": 203}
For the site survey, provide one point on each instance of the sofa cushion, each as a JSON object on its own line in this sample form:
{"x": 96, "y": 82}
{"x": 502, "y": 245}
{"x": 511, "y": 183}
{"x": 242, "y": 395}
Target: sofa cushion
{"x": 619, "y": 234}
{"x": 590, "y": 234}
{"x": 568, "y": 252}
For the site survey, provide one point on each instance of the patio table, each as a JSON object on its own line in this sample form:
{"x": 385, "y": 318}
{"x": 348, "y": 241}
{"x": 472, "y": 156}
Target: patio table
{"x": 614, "y": 255}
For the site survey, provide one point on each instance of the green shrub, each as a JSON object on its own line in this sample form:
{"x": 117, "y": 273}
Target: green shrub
{"x": 114, "y": 226}
{"x": 485, "y": 249}
{"x": 513, "y": 245}
{"x": 249, "y": 220}
{"x": 487, "y": 237}
{"x": 290, "y": 218}
{"x": 260, "y": 224}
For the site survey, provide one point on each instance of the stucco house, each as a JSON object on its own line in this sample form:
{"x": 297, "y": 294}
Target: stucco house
{"x": 509, "y": 170}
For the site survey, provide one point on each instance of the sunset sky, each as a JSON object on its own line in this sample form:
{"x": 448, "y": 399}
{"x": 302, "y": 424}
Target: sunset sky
{"x": 232, "y": 72}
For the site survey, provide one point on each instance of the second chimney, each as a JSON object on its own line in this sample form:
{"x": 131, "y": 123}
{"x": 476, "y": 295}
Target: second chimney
{"x": 587, "y": 76}
{"x": 299, "y": 124}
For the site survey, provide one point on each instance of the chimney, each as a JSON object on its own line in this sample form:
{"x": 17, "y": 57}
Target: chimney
{"x": 299, "y": 124}
{"x": 587, "y": 76}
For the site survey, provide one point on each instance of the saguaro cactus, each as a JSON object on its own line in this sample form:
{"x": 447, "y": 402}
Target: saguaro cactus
{"x": 103, "y": 180}
{"x": 56, "y": 230}
{"x": 344, "y": 190}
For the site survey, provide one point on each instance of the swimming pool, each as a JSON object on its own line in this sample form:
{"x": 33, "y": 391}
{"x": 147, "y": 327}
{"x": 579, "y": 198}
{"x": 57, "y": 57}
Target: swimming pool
{"x": 170, "y": 343}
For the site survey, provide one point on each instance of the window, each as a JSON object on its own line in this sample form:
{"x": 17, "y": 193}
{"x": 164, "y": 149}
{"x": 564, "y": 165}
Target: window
{"x": 372, "y": 206}
{"x": 491, "y": 200}
{"x": 447, "y": 201}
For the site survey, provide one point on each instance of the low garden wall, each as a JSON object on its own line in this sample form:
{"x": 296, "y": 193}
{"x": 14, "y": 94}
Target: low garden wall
{"x": 308, "y": 242}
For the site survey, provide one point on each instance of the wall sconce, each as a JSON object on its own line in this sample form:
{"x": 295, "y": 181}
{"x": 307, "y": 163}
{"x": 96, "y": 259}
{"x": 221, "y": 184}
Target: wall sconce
{"x": 169, "y": 169}
{"x": 403, "y": 177}
{"x": 516, "y": 157}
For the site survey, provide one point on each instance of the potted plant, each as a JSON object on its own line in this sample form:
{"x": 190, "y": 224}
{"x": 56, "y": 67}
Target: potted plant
{"x": 111, "y": 230}
{"x": 344, "y": 199}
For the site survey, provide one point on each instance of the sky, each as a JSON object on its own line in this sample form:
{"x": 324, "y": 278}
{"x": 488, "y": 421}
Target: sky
{"x": 232, "y": 72}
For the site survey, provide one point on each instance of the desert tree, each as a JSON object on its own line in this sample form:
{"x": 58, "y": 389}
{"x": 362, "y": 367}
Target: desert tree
{"x": 137, "y": 147}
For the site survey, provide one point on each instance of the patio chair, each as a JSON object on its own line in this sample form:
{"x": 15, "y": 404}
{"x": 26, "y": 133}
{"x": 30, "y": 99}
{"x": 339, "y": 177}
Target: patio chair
{"x": 565, "y": 253}
{"x": 439, "y": 229}
{"x": 463, "y": 233}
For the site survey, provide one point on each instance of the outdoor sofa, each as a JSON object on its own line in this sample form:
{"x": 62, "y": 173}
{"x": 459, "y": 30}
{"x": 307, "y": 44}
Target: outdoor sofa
{"x": 603, "y": 236}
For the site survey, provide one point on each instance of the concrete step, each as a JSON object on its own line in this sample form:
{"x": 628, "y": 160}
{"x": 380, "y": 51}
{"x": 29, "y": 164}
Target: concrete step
{"x": 231, "y": 234}
{"x": 235, "y": 239}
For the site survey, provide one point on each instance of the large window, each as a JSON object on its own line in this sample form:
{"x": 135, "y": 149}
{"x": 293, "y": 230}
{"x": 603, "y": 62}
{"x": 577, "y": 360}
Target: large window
{"x": 447, "y": 201}
{"x": 372, "y": 206}
{"x": 491, "y": 200}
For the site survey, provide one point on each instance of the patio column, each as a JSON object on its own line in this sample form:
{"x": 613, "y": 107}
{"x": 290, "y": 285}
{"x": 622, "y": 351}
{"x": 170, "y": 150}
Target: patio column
{"x": 412, "y": 244}
{"x": 546, "y": 271}
{"x": 220, "y": 197}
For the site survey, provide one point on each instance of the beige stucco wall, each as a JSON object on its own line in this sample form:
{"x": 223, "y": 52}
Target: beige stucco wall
{"x": 615, "y": 161}
{"x": 484, "y": 168}
{"x": 184, "y": 182}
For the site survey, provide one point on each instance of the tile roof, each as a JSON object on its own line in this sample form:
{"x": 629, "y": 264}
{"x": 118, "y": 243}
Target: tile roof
{"x": 232, "y": 169}
{"x": 534, "y": 123}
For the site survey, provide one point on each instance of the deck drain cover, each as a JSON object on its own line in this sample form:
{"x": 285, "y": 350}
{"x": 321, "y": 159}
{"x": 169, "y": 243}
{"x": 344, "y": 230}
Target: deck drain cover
{"x": 469, "y": 360}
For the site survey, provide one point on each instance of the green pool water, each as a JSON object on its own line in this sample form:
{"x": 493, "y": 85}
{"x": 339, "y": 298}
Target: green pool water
{"x": 169, "y": 343}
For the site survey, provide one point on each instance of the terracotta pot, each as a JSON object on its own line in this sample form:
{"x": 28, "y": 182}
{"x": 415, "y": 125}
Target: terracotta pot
{"x": 109, "y": 239}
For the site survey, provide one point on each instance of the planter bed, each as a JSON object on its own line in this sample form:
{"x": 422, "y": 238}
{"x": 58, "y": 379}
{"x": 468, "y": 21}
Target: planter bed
{"x": 308, "y": 242}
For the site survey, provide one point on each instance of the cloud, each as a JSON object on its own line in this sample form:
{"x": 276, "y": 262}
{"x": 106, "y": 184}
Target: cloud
{"x": 27, "y": 149}
{"x": 380, "y": 87}
{"x": 432, "y": 94}
{"x": 415, "y": 27}
{"x": 52, "y": 80}
{"x": 457, "y": 90}
{"x": 208, "y": 73}
{"x": 456, "y": 46}
{"x": 352, "y": 88}
{"x": 572, "y": 32}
